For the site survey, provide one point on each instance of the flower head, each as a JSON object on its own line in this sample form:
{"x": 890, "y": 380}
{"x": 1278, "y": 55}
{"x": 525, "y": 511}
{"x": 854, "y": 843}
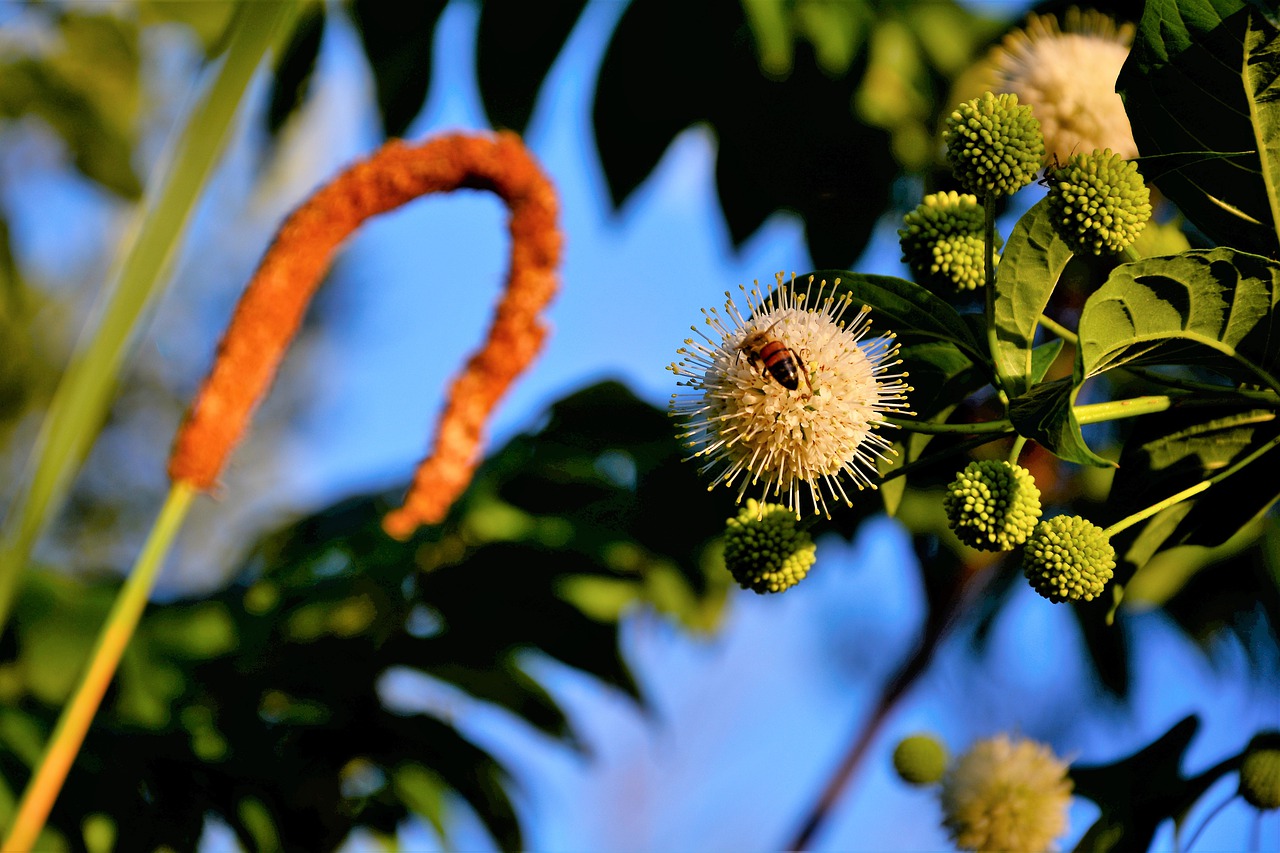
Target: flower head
{"x": 1260, "y": 778}
{"x": 789, "y": 396}
{"x": 1067, "y": 74}
{"x": 994, "y": 145}
{"x": 1099, "y": 202}
{"x": 1006, "y": 795}
{"x": 992, "y": 505}
{"x": 920, "y": 759}
{"x": 1069, "y": 558}
{"x": 765, "y": 550}
{"x": 942, "y": 242}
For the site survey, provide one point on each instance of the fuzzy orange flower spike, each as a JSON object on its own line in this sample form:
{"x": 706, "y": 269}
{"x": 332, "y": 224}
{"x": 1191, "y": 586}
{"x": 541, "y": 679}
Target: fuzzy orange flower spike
{"x": 273, "y": 304}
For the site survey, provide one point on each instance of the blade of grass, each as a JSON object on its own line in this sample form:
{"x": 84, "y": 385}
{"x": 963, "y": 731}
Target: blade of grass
{"x": 78, "y": 714}
{"x": 80, "y": 403}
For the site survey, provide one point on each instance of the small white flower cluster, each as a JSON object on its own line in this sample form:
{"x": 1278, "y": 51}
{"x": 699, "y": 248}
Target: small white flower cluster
{"x": 756, "y": 430}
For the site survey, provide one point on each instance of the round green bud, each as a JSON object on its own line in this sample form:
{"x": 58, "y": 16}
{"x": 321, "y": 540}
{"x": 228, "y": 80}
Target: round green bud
{"x": 994, "y": 145}
{"x": 1068, "y": 558}
{"x": 1099, "y": 203}
{"x": 942, "y": 242}
{"x": 920, "y": 759}
{"x": 992, "y": 505}
{"x": 1260, "y": 779}
{"x": 765, "y": 550}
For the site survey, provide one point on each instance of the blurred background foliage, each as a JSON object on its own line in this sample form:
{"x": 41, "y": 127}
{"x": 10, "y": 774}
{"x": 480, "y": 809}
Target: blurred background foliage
{"x": 267, "y": 702}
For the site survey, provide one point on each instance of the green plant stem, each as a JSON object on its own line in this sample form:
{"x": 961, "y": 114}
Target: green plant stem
{"x": 1014, "y": 452}
{"x": 989, "y": 270}
{"x": 80, "y": 403}
{"x": 1060, "y": 330}
{"x": 1090, "y": 414}
{"x": 1190, "y": 491}
{"x": 76, "y": 717}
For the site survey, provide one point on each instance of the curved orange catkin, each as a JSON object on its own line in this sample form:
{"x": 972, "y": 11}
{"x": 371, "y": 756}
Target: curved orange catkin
{"x": 273, "y": 304}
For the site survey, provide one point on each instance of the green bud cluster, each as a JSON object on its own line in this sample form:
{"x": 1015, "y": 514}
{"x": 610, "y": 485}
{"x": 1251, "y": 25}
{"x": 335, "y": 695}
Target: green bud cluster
{"x": 1260, "y": 779}
{"x": 992, "y": 505}
{"x": 994, "y": 145}
{"x": 942, "y": 242}
{"x": 1099, "y": 202}
{"x": 765, "y": 550}
{"x": 920, "y": 759}
{"x": 1069, "y": 558}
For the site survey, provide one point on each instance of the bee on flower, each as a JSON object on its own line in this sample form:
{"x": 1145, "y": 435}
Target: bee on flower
{"x": 788, "y": 397}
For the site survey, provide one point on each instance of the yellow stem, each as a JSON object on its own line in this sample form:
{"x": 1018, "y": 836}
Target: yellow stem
{"x": 76, "y": 717}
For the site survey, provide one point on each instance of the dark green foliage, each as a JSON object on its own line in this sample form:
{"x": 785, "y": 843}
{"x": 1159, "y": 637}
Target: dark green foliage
{"x": 261, "y": 705}
{"x": 293, "y": 74}
{"x": 515, "y": 48}
{"x": 397, "y": 39}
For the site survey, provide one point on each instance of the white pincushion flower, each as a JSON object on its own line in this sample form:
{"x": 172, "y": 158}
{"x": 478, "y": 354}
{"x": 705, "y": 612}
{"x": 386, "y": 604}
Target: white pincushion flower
{"x": 755, "y": 430}
{"x": 1067, "y": 75}
{"x": 1006, "y": 794}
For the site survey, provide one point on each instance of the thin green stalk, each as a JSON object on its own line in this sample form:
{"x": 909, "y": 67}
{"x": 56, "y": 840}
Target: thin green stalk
{"x": 80, "y": 403}
{"x": 1267, "y": 397}
{"x": 76, "y": 717}
{"x": 1014, "y": 452}
{"x": 1060, "y": 330}
{"x": 1190, "y": 491}
{"x": 1090, "y": 414}
{"x": 989, "y": 270}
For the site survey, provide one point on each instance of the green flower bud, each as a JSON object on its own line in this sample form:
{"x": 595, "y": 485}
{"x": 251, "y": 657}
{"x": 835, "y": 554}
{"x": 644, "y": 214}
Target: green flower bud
{"x": 1099, "y": 202}
{"x": 994, "y": 145}
{"x": 1068, "y": 558}
{"x": 765, "y": 550}
{"x": 920, "y": 759}
{"x": 993, "y": 505}
{"x": 1260, "y": 779}
{"x": 942, "y": 242}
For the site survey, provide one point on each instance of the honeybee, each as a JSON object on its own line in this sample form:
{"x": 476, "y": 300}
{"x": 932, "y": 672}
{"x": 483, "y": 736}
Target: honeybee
{"x": 773, "y": 358}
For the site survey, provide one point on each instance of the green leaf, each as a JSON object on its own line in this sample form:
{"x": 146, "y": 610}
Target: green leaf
{"x": 515, "y": 46}
{"x": 1262, "y": 89}
{"x": 1169, "y": 452}
{"x": 397, "y": 39}
{"x": 1033, "y": 259}
{"x": 1188, "y": 88}
{"x": 901, "y": 307}
{"x": 1042, "y": 358}
{"x": 1046, "y": 414}
{"x": 1215, "y": 307}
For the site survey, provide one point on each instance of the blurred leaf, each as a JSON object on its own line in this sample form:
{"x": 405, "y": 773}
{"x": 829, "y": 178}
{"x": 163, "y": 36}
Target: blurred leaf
{"x": 86, "y": 89}
{"x": 1033, "y": 259}
{"x": 516, "y": 45}
{"x": 209, "y": 21}
{"x": 397, "y": 40}
{"x": 783, "y": 144}
{"x": 1189, "y": 87}
{"x": 295, "y": 67}
{"x": 1138, "y": 793}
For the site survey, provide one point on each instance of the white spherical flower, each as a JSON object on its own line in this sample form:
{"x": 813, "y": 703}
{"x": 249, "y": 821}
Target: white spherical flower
{"x": 1006, "y": 794}
{"x": 1067, "y": 75}
{"x": 789, "y": 396}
